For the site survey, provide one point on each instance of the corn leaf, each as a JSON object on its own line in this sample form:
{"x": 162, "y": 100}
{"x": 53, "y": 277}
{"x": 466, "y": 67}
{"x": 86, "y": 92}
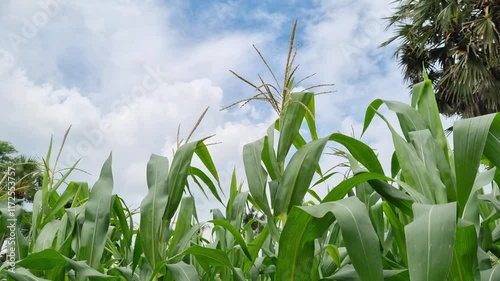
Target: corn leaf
{"x": 429, "y": 241}
{"x": 97, "y": 218}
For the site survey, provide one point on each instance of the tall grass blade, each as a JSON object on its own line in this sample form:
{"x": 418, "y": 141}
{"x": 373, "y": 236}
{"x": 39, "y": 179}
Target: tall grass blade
{"x": 429, "y": 241}
{"x": 183, "y": 272}
{"x": 469, "y": 139}
{"x": 179, "y": 173}
{"x": 97, "y": 218}
{"x": 393, "y": 195}
{"x": 492, "y": 147}
{"x": 66, "y": 196}
{"x": 256, "y": 174}
{"x": 424, "y": 99}
{"x": 236, "y": 234}
{"x": 464, "y": 264}
{"x": 310, "y": 118}
{"x": 298, "y": 176}
{"x": 182, "y": 226}
{"x": 292, "y": 120}
{"x": 153, "y": 207}
{"x": 362, "y": 152}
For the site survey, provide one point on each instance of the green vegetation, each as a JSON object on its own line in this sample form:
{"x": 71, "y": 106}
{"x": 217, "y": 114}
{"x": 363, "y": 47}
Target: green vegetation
{"x": 433, "y": 217}
{"x": 458, "y": 44}
{"x": 28, "y": 175}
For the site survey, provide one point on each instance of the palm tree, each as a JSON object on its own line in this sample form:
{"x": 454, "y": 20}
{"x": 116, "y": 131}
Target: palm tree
{"x": 6, "y": 153}
{"x": 28, "y": 176}
{"x": 457, "y": 42}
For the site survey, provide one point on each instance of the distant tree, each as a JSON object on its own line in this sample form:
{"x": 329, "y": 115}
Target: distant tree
{"x": 7, "y": 152}
{"x": 458, "y": 43}
{"x": 28, "y": 176}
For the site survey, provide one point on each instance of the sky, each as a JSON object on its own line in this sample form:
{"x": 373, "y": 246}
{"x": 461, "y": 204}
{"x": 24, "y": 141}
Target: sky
{"x": 125, "y": 73}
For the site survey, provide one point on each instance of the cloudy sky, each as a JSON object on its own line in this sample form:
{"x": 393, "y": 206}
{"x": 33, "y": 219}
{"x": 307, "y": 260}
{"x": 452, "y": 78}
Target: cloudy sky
{"x": 126, "y": 73}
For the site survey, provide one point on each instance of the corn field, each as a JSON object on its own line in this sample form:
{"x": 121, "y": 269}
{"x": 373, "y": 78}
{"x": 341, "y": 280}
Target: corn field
{"x": 433, "y": 216}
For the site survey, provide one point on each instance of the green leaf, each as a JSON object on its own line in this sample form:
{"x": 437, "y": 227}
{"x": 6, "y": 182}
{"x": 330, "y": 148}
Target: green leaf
{"x": 126, "y": 230}
{"x": 434, "y": 159}
{"x": 311, "y": 123}
{"x": 183, "y": 243}
{"x": 233, "y": 192}
{"x": 84, "y": 271}
{"x": 377, "y": 218}
{"x": 394, "y": 196}
{"x": 236, "y": 234}
{"x": 255, "y": 246}
{"x": 492, "y": 147}
{"x": 63, "y": 178}
{"x": 137, "y": 252}
{"x": 409, "y": 119}
{"x": 362, "y": 152}
{"x": 206, "y": 180}
{"x": 305, "y": 224}
{"x": 412, "y": 167}
{"x": 97, "y": 218}
{"x": 424, "y": 99}
{"x": 464, "y": 264}
{"x": 208, "y": 257}
{"x": 153, "y": 207}
{"x": 182, "y": 226}
{"x": 44, "y": 260}
{"x": 183, "y": 272}
{"x": 348, "y": 273}
{"x": 370, "y": 113}
{"x": 472, "y": 208}
{"x": 47, "y": 236}
{"x": 469, "y": 139}
{"x": 269, "y": 156}
{"x": 46, "y": 179}
{"x": 256, "y": 175}
{"x": 429, "y": 241}
{"x": 291, "y": 122}
{"x": 124, "y": 272}
{"x": 398, "y": 230}
{"x": 239, "y": 202}
{"x": 179, "y": 173}
{"x": 22, "y": 274}
{"x": 298, "y": 176}
{"x": 395, "y": 167}
{"x": 36, "y": 217}
{"x": 204, "y": 155}
{"x": 66, "y": 196}
{"x": 333, "y": 252}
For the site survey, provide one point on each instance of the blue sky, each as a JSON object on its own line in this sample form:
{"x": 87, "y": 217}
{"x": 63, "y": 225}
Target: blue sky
{"x": 140, "y": 67}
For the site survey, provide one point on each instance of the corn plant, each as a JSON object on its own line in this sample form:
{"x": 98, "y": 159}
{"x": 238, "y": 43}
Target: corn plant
{"x": 429, "y": 220}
